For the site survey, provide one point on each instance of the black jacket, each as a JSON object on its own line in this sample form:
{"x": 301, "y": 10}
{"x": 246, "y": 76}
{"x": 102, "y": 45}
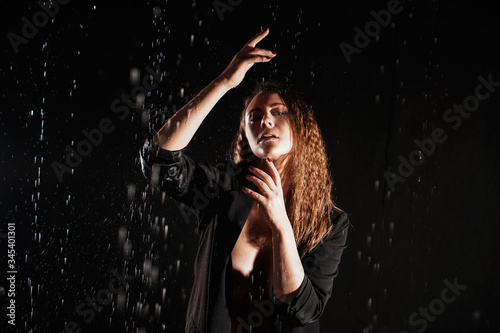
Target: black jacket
{"x": 221, "y": 209}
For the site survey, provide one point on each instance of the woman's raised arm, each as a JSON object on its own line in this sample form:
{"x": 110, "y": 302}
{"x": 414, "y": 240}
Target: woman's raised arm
{"x": 178, "y": 131}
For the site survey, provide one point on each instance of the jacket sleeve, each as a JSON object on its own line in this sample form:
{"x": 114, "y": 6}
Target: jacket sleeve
{"x": 320, "y": 268}
{"x": 182, "y": 178}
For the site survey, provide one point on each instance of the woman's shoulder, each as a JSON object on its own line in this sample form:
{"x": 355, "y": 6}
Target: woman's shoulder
{"x": 339, "y": 218}
{"x": 231, "y": 174}
{"x": 236, "y": 169}
{"x": 231, "y": 168}
{"x": 341, "y": 222}
{"x": 336, "y": 239}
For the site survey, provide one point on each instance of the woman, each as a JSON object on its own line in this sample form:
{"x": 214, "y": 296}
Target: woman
{"x": 270, "y": 238}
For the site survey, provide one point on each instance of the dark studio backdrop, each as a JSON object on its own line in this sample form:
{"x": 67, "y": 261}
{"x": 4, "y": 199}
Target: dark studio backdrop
{"x": 408, "y": 106}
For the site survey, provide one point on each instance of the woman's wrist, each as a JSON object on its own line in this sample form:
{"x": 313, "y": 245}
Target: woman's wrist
{"x": 281, "y": 230}
{"x": 223, "y": 81}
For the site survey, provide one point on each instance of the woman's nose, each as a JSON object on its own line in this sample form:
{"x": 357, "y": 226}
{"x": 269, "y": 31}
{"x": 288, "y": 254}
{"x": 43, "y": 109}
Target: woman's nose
{"x": 267, "y": 121}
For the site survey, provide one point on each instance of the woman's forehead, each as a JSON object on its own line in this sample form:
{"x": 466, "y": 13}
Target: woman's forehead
{"x": 265, "y": 98}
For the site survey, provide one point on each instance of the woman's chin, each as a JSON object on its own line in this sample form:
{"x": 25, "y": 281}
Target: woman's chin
{"x": 271, "y": 153}
{"x": 265, "y": 153}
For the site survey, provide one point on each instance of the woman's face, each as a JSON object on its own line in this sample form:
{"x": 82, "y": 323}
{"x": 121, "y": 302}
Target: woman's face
{"x": 267, "y": 114}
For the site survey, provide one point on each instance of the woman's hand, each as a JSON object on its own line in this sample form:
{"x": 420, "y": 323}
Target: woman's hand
{"x": 244, "y": 60}
{"x": 270, "y": 196}
{"x": 288, "y": 272}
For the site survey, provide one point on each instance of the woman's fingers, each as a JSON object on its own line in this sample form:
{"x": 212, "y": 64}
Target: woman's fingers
{"x": 264, "y": 177}
{"x": 256, "y": 196}
{"x": 250, "y": 60}
{"x": 262, "y": 52}
{"x": 274, "y": 172}
{"x": 244, "y": 59}
{"x": 263, "y": 186}
{"x": 257, "y": 55}
{"x": 258, "y": 37}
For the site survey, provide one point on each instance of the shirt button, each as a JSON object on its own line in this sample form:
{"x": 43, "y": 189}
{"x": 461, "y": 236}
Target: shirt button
{"x": 172, "y": 171}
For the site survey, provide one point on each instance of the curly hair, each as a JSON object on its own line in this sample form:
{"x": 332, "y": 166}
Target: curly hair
{"x": 311, "y": 183}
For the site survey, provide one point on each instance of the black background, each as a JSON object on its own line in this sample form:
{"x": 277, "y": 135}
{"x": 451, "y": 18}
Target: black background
{"x": 440, "y": 223}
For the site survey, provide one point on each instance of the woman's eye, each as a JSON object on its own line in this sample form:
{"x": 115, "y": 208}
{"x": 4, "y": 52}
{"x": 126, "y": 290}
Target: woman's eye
{"x": 278, "y": 113}
{"x": 255, "y": 118}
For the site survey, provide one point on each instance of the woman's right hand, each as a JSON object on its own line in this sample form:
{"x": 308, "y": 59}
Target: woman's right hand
{"x": 244, "y": 60}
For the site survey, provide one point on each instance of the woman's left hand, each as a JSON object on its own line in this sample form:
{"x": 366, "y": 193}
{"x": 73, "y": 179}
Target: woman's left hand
{"x": 270, "y": 196}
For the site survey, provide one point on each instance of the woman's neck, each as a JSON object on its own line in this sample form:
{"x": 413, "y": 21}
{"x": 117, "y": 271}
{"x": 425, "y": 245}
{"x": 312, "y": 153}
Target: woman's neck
{"x": 281, "y": 165}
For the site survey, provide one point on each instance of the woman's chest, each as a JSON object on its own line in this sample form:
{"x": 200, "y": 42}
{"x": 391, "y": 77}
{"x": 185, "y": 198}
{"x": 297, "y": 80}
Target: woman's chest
{"x": 252, "y": 257}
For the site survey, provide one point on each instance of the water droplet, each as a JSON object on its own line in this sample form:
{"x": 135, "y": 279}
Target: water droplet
{"x": 135, "y": 75}
{"x": 156, "y": 12}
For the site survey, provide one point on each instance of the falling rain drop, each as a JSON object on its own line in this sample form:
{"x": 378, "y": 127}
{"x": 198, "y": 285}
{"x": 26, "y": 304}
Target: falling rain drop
{"x": 135, "y": 75}
{"x": 156, "y": 12}
{"x": 122, "y": 234}
{"x": 476, "y": 317}
{"x": 130, "y": 193}
{"x": 127, "y": 249}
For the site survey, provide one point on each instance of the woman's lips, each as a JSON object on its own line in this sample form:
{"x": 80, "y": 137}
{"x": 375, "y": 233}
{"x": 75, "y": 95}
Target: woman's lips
{"x": 269, "y": 138}
{"x": 268, "y": 135}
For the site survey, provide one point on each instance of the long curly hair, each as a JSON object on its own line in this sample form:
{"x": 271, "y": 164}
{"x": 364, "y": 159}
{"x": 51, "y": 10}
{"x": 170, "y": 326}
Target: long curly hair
{"x": 311, "y": 184}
